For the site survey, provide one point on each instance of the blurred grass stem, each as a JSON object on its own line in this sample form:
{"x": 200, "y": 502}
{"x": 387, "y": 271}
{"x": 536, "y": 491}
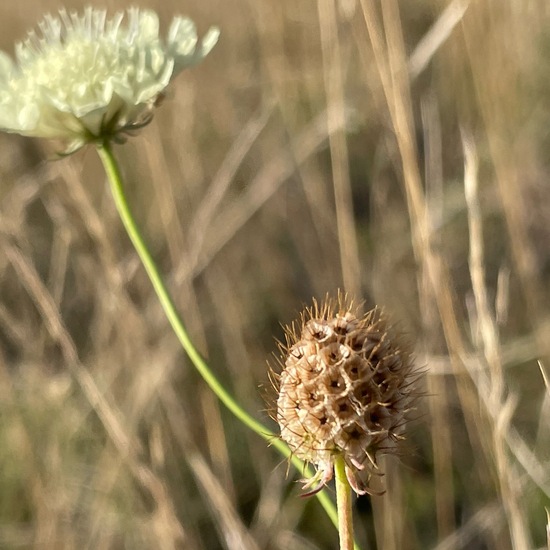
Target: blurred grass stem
{"x": 115, "y": 181}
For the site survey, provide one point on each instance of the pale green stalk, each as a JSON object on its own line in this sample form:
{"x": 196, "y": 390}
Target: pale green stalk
{"x": 343, "y": 503}
{"x": 115, "y": 180}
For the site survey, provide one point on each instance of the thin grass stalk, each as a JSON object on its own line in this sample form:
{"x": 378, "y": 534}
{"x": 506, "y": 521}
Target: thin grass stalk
{"x": 334, "y": 87}
{"x": 492, "y": 387}
{"x": 437, "y": 388}
{"x": 391, "y": 67}
{"x": 497, "y": 95}
{"x": 387, "y": 45}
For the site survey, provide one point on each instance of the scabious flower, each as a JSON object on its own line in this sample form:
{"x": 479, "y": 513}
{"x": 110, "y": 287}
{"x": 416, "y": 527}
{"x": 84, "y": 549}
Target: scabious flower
{"x": 346, "y": 389}
{"x": 84, "y": 78}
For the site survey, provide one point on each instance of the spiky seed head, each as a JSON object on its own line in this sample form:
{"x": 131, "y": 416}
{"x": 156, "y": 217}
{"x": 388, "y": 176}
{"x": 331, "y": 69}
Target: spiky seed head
{"x": 347, "y": 387}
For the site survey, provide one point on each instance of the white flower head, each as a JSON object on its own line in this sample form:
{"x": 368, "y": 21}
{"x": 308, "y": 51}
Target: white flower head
{"x": 83, "y": 78}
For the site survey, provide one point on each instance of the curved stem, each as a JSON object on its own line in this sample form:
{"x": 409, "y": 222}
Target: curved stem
{"x": 115, "y": 181}
{"x": 343, "y": 503}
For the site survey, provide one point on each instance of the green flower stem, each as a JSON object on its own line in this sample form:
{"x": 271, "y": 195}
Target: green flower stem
{"x": 115, "y": 180}
{"x": 343, "y": 503}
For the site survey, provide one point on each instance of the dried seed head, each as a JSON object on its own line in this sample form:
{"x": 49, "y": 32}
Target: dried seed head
{"x": 346, "y": 388}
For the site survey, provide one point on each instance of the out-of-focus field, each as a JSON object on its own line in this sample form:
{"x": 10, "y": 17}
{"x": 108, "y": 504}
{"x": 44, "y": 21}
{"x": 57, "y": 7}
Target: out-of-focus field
{"x": 399, "y": 150}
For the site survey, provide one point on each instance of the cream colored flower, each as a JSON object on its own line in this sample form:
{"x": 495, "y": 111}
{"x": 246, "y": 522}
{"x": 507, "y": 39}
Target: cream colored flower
{"x": 83, "y": 78}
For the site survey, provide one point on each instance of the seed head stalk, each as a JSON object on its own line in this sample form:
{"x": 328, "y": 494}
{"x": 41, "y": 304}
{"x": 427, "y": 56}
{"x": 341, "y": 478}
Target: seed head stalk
{"x": 115, "y": 181}
{"x": 343, "y": 503}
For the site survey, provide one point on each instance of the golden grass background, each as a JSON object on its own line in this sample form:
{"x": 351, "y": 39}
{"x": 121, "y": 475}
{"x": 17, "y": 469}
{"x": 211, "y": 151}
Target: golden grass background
{"x": 397, "y": 149}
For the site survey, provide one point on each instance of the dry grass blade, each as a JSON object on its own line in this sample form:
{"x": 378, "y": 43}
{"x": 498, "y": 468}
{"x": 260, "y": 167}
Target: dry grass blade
{"x": 493, "y": 388}
{"x": 334, "y": 75}
{"x": 224, "y": 177}
{"x": 436, "y": 36}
